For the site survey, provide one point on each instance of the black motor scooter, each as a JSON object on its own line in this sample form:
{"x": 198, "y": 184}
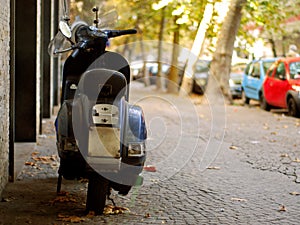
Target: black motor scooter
{"x": 100, "y": 136}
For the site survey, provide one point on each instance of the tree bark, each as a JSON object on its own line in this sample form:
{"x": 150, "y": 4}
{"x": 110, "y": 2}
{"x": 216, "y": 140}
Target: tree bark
{"x": 160, "y": 81}
{"x": 221, "y": 62}
{"x": 187, "y": 83}
{"x": 173, "y": 76}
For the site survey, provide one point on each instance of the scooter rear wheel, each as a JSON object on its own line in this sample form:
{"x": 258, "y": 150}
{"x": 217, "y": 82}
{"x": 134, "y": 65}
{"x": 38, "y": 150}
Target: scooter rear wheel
{"x": 98, "y": 188}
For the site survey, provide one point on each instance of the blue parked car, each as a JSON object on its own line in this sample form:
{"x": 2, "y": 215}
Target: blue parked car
{"x": 253, "y": 78}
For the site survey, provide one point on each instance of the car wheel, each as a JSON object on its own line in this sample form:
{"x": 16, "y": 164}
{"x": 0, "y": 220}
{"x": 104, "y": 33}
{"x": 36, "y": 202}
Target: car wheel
{"x": 245, "y": 99}
{"x": 292, "y": 108}
{"x": 264, "y": 104}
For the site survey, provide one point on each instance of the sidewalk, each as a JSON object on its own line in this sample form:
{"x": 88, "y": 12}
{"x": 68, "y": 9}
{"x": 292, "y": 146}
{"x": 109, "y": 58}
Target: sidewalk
{"x": 251, "y": 174}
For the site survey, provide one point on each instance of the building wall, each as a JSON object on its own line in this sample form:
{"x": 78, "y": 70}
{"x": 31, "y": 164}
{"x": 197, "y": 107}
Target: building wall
{"x": 4, "y": 90}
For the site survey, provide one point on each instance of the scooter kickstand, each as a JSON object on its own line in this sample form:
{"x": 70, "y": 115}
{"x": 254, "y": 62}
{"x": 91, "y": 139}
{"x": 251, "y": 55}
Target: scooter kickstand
{"x": 109, "y": 198}
{"x": 58, "y": 188}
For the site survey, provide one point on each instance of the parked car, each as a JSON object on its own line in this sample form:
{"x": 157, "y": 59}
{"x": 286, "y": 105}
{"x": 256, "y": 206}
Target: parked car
{"x": 150, "y": 67}
{"x": 253, "y": 78}
{"x": 281, "y": 87}
{"x": 201, "y": 76}
{"x": 235, "y": 80}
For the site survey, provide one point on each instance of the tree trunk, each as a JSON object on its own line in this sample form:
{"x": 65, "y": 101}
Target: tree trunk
{"x": 160, "y": 81}
{"x": 145, "y": 72}
{"x": 173, "y": 76}
{"x": 221, "y": 62}
{"x": 187, "y": 83}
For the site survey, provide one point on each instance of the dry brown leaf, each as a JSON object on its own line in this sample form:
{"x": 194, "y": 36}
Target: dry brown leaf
{"x": 273, "y": 133}
{"x": 29, "y": 163}
{"x": 147, "y": 215}
{"x": 62, "y": 199}
{"x": 91, "y": 214}
{"x": 294, "y": 193}
{"x": 284, "y": 155}
{"x": 239, "y": 199}
{"x": 282, "y": 208}
{"x": 213, "y": 168}
{"x": 113, "y": 210}
{"x": 34, "y": 153}
{"x": 73, "y": 219}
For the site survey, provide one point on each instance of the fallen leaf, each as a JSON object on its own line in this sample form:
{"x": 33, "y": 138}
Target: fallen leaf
{"x": 63, "y": 199}
{"x": 284, "y": 155}
{"x": 29, "y": 163}
{"x": 282, "y": 209}
{"x": 114, "y": 210}
{"x": 72, "y": 219}
{"x": 213, "y": 168}
{"x": 91, "y": 214}
{"x": 34, "y": 153}
{"x": 150, "y": 168}
{"x": 294, "y": 193}
{"x": 238, "y": 199}
{"x": 273, "y": 133}
{"x": 5, "y": 200}
{"x": 254, "y": 142}
{"x": 297, "y": 160}
{"x": 147, "y": 215}
{"x": 232, "y": 147}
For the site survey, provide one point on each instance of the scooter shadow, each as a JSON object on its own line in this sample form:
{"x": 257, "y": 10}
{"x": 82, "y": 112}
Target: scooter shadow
{"x": 35, "y": 201}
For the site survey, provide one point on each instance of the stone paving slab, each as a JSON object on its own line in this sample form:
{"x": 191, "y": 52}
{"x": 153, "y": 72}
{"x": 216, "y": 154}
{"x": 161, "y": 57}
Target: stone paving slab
{"x": 249, "y": 177}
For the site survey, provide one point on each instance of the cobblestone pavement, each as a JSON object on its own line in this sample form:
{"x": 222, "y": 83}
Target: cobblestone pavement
{"x": 251, "y": 175}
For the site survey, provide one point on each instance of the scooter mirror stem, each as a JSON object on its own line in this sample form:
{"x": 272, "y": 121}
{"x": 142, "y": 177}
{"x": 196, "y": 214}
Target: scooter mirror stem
{"x": 96, "y": 21}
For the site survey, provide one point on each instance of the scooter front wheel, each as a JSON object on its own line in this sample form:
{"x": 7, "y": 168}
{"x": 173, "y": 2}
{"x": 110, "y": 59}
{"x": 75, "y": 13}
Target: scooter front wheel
{"x": 98, "y": 188}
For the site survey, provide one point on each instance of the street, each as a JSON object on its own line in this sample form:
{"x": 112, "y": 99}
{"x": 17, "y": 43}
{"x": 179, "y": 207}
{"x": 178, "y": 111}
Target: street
{"x": 240, "y": 165}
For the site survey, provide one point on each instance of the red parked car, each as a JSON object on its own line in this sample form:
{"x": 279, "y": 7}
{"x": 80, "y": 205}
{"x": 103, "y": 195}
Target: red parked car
{"x": 281, "y": 87}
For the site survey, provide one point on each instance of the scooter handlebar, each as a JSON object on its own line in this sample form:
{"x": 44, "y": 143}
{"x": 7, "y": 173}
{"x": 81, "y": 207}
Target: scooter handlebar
{"x": 116, "y": 33}
{"x": 81, "y": 45}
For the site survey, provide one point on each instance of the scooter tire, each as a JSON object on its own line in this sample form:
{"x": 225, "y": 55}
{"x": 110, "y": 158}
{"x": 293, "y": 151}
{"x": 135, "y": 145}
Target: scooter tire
{"x": 98, "y": 188}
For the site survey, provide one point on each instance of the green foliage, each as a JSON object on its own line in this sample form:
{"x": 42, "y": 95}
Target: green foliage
{"x": 269, "y": 16}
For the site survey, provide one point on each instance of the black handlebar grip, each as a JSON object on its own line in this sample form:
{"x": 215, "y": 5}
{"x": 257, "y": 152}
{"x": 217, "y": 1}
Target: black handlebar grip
{"x": 116, "y": 33}
{"x": 129, "y": 31}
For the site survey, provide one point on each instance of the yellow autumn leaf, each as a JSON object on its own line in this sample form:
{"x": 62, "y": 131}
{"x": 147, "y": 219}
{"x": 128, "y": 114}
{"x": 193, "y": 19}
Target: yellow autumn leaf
{"x": 232, "y": 147}
{"x": 297, "y": 160}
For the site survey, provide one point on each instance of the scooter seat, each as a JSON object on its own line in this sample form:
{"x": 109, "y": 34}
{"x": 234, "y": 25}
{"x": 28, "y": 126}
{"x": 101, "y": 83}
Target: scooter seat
{"x": 103, "y": 84}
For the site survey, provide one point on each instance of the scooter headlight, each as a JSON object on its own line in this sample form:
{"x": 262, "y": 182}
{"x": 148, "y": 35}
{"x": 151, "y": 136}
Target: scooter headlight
{"x": 136, "y": 149}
